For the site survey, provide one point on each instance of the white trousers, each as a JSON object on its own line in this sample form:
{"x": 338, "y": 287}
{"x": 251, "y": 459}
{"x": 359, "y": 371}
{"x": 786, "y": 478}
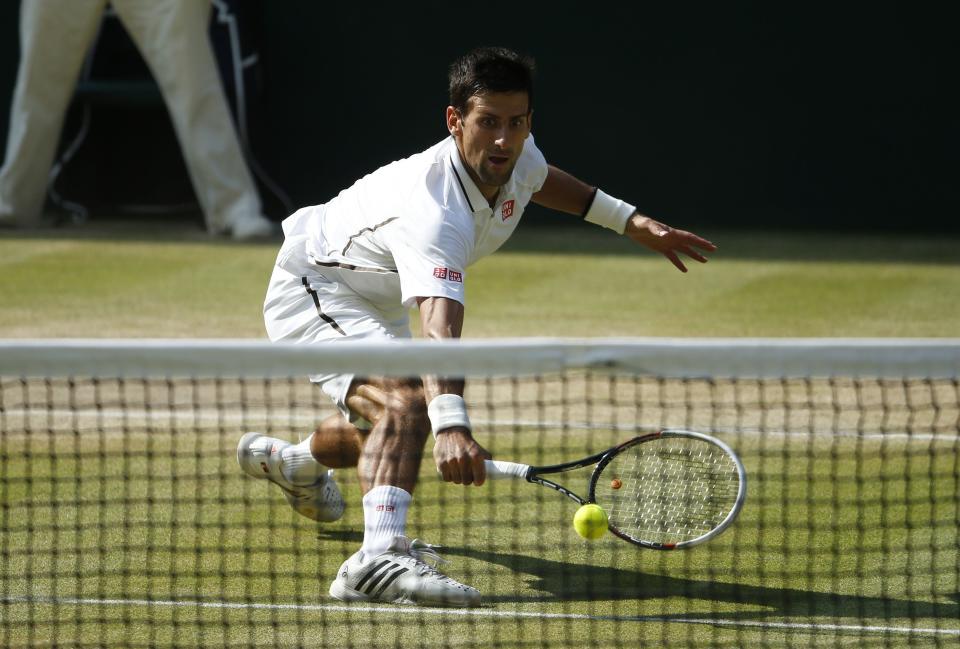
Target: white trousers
{"x": 172, "y": 36}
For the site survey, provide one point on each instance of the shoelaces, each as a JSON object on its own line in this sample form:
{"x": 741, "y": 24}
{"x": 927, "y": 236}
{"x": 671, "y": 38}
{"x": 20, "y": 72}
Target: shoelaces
{"x": 426, "y": 557}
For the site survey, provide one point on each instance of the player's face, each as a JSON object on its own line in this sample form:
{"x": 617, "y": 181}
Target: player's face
{"x": 490, "y": 136}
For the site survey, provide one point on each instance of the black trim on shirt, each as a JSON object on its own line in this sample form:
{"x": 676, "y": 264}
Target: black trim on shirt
{"x": 462, "y": 188}
{"x": 360, "y": 269}
{"x": 370, "y": 229}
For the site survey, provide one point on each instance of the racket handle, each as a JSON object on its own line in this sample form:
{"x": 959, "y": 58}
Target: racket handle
{"x": 497, "y": 469}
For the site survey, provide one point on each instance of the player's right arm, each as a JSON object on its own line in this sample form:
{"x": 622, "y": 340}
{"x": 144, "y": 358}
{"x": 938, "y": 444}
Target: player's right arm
{"x": 458, "y": 456}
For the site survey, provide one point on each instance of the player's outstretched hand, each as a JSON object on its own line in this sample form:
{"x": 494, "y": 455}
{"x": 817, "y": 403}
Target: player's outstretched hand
{"x": 459, "y": 458}
{"x": 667, "y": 241}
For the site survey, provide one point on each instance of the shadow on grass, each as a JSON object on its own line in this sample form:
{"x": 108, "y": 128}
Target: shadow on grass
{"x": 571, "y": 582}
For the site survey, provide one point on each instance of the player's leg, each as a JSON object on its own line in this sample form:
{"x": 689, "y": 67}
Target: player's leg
{"x": 336, "y": 443}
{"x": 290, "y": 315}
{"x": 390, "y": 458}
{"x": 304, "y": 470}
{"x": 310, "y": 309}
{"x": 389, "y": 567}
{"x": 387, "y": 451}
{"x": 54, "y": 39}
{"x": 393, "y": 448}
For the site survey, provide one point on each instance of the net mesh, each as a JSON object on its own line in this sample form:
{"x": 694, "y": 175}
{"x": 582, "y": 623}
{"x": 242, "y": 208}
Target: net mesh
{"x": 126, "y": 521}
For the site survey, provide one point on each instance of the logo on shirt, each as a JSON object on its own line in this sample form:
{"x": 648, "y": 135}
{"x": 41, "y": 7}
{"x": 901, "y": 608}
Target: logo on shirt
{"x": 448, "y": 274}
{"x": 506, "y": 210}
{"x": 386, "y": 508}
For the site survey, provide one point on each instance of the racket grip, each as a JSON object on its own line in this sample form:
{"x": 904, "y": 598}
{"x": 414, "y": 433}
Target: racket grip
{"x": 497, "y": 469}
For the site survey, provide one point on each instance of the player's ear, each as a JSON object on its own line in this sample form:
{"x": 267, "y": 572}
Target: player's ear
{"x": 529, "y": 123}
{"x": 454, "y": 122}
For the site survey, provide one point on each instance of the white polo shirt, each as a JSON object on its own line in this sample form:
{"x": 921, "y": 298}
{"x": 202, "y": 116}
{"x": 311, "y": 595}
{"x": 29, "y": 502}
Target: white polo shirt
{"x": 411, "y": 228}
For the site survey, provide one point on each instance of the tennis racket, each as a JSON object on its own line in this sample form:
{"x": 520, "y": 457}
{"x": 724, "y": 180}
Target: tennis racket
{"x": 667, "y": 490}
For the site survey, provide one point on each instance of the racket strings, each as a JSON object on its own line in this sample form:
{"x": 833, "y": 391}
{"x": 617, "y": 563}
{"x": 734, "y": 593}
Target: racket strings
{"x": 669, "y": 490}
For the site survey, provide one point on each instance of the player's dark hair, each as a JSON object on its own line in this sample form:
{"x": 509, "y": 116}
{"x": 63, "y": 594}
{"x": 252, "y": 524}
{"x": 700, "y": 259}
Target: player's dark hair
{"x": 490, "y": 69}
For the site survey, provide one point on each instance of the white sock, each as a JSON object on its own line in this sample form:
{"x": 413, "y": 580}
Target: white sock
{"x": 298, "y": 465}
{"x": 384, "y": 517}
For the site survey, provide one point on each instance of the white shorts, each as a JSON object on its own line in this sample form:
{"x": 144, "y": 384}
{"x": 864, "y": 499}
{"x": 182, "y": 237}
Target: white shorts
{"x": 318, "y": 309}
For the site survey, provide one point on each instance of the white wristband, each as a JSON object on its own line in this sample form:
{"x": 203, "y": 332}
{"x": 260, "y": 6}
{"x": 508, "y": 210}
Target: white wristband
{"x": 609, "y": 212}
{"x": 446, "y": 411}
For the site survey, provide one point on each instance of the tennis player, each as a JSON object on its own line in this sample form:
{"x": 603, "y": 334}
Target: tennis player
{"x": 350, "y": 269}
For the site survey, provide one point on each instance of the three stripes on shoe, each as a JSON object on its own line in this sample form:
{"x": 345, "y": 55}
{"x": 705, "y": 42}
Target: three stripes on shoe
{"x": 386, "y": 572}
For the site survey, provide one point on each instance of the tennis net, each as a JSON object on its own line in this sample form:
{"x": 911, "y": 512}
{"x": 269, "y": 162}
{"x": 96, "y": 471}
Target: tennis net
{"x": 126, "y": 520}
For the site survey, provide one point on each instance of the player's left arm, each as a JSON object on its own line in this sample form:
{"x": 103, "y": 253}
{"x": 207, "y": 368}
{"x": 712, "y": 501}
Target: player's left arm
{"x": 566, "y": 193}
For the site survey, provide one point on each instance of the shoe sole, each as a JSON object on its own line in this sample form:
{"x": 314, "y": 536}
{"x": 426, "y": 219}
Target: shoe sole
{"x": 347, "y": 594}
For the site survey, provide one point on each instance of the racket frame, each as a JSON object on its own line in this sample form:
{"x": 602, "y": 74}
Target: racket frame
{"x": 608, "y": 456}
{"x": 601, "y": 460}
{"x": 534, "y": 473}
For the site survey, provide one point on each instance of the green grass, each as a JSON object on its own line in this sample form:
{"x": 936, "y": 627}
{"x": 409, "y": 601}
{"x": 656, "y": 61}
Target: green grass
{"x": 755, "y": 285}
{"x": 842, "y": 532}
{"x": 199, "y": 533}
{"x": 123, "y": 281}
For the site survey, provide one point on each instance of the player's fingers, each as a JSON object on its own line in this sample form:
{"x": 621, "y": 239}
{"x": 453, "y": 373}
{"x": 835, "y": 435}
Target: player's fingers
{"x": 443, "y": 471}
{"x": 706, "y": 245}
{"x": 693, "y": 254}
{"x": 466, "y": 469}
{"x": 366, "y": 408}
{"x": 672, "y": 256}
{"x": 445, "y": 465}
{"x": 373, "y": 393}
{"x": 700, "y": 242}
{"x": 684, "y": 237}
{"x": 479, "y": 469}
{"x": 454, "y": 468}
{"x": 442, "y": 468}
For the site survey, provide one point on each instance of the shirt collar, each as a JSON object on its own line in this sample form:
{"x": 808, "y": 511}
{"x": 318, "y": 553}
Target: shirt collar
{"x": 474, "y": 197}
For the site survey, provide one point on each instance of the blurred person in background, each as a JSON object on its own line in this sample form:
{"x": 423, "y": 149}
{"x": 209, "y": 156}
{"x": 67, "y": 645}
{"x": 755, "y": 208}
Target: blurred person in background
{"x": 172, "y": 36}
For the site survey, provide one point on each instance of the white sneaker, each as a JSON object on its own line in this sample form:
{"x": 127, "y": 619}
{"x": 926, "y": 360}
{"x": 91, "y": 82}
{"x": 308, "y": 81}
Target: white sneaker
{"x": 400, "y": 575}
{"x": 261, "y": 456}
{"x": 252, "y": 227}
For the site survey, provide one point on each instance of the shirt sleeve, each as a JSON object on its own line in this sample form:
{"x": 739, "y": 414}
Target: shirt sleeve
{"x": 431, "y": 254}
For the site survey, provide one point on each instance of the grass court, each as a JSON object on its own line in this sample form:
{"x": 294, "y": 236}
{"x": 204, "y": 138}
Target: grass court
{"x": 199, "y": 555}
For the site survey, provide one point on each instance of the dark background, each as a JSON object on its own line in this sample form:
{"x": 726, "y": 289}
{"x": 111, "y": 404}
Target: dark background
{"x": 752, "y": 114}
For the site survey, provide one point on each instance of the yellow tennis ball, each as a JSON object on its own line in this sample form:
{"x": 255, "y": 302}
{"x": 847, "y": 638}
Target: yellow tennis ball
{"x": 590, "y": 521}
